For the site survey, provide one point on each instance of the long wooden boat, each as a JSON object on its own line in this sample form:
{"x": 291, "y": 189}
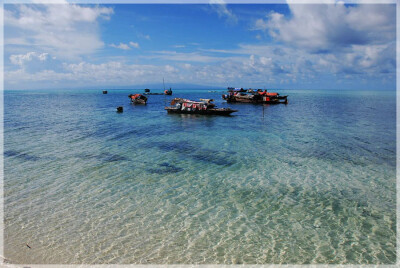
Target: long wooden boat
{"x": 255, "y": 97}
{"x": 202, "y": 107}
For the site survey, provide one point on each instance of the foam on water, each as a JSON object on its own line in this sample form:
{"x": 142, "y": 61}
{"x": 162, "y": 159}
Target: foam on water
{"x": 308, "y": 182}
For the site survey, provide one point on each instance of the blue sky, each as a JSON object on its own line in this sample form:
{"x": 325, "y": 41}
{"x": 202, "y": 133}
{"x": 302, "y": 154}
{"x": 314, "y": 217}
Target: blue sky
{"x": 316, "y": 46}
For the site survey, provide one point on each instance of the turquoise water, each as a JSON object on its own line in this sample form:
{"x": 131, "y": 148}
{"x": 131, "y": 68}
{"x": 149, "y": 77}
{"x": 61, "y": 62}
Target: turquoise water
{"x": 308, "y": 182}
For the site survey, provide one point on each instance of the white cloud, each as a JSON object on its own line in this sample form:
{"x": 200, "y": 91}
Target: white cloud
{"x": 187, "y": 65}
{"x": 143, "y": 36}
{"x": 182, "y": 57}
{"x": 263, "y": 65}
{"x": 126, "y": 46}
{"x": 356, "y": 40}
{"x": 34, "y": 62}
{"x": 321, "y": 28}
{"x": 260, "y": 24}
{"x": 222, "y": 10}
{"x": 65, "y": 30}
{"x": 335, "y": 39}
{"x": 134, "y": 44}
{"x": 84, "y": 73}
{"x": 43, "y": 56}
{"x": 23, "y": 58}
{"x": 121, "y": 46}
{"x": 368, "y": 60}
{"x": 217, "y": 69}
{"x": 171, "y": 69}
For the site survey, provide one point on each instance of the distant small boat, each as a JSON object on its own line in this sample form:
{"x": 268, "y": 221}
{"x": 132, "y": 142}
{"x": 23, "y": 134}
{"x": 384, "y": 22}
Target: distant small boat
{"x": 105, "y": 91}
{"x": 146, "y": 90}
{"x": 168, "y": 92}
{"x": 203, "y": 107}
{"x": 138, "y": 98}
{"x": 120, "y": 109}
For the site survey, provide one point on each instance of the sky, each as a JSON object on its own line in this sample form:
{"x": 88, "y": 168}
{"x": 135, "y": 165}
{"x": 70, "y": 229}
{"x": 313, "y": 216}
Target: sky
{"x": 286, "y": 46}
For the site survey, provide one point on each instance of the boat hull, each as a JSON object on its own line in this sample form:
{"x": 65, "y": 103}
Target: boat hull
{"x": 139, "y": 101}
{"x": 219, "y": 111}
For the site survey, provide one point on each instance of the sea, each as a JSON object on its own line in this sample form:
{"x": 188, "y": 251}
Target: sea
{"x": 310, "y": 182}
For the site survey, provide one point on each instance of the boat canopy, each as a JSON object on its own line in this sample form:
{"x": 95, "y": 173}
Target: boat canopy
{"x": 135, "y": 96}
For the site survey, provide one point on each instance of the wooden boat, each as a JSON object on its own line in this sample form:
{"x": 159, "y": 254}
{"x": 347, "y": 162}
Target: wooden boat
{"x": 203, "y": 107}
{"x": 242, "y": 97}
{"x": 146, "y": 90}
{"x": 255, "y": 97}
{"x": 105, "y": 91}
{"x": 138, "y": 98}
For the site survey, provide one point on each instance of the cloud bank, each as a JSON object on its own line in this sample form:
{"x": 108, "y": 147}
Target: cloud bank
{"x": 334, "y": 45}
{"x": 66, "y": 30}
{"x": 329, "y": 27}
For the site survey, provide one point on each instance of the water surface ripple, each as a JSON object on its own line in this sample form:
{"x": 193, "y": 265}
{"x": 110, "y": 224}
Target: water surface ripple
{"x": 308, "y": 182}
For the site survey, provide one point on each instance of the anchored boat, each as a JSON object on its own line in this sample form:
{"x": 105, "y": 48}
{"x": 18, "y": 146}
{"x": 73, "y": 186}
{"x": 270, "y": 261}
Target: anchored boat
{"x": 138, "y": 98}
{"x": 168, "y": 91}
{"x": 204, "y": 107}
{"x": 255, "y": 97}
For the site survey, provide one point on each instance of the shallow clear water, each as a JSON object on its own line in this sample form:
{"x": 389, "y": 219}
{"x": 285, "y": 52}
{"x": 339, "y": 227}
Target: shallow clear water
{"x": 308, "y": 182}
